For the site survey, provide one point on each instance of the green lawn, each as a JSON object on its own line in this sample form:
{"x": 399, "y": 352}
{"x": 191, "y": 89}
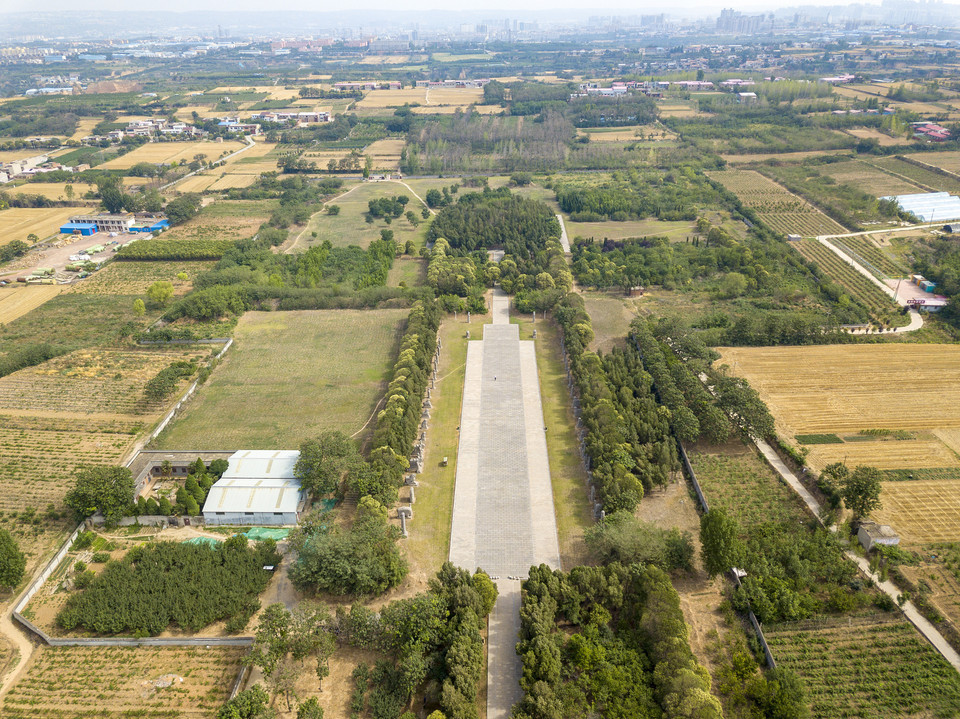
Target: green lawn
{"x": 289, "y": 376}
{"x": 676, "y": 231}
{"x": 411, "y": 271}
{"x": 350, "y": 227}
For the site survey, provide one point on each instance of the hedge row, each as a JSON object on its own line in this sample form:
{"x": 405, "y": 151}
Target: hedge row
{"x": 623, "y": 650}
{"x": 152, "y": 250}
{"x": 628, "y": 436}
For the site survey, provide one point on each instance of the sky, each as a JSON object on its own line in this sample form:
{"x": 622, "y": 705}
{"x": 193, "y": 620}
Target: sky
{"x": 509, "y": 8}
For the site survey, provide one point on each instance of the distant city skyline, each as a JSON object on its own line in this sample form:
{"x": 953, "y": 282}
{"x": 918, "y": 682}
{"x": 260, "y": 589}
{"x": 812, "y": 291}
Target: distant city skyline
{"x": 624, "y": 7}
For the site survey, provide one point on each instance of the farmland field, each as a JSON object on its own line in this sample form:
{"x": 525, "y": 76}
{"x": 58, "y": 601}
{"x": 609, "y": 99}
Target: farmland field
{"x": 928, "y": 179}
{"x": 869, "y": 670}
{"x": 226, "y": 220}
{"x": 631, "y": 228}
{"x": 18, "y": 300}
{"x": 847, "y": 389}
{"x": 869, "y": 179}
{"x": 734, "y": 478}
{"x": 868, "y": 253}
{"x": 111, "y": 681}
{"x": 949, "y": 161}
{"x": 289, "y": 376}
{"x": 170, "y": 152}
{"x": 844, "y": 274}
{"x": 90, "y": 381}
{"x": 55, "y": 190}
{"x": 778, "y": 207}
{"x": 18, "y": 222}
{"x": 350, "y": 226}
{"x": 884, "y": 140}
{"x": 134, "y": 278}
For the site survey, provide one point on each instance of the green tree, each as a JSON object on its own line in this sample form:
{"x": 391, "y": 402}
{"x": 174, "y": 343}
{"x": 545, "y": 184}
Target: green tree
{"x": 68, "y": 191}
{"x": 272, "y": 639}
{"x": 861, "y": 491}
{"x": 434, "y": 198}
{"x": 486, "y": 589}
{"x": 333, "y": 210}
{"x": 108, "y": 490}
{"x": 32, "y": 239}
{"x": 720, "y": 541}
{"x": 12, "y": 561}
{"x": 139, "y": 309}
{"x": 310, "y": 709}
{"x": 324, "y": 461}
{"x": 160, "y": 293}
{"x": 252, "y": 703}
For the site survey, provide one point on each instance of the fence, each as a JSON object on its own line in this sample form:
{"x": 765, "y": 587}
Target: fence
{"x": 685, "y": 460}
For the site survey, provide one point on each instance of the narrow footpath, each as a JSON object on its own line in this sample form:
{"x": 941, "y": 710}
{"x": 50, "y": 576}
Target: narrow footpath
{"x": 503, "y": 514}
{"x": 889, "y": 588}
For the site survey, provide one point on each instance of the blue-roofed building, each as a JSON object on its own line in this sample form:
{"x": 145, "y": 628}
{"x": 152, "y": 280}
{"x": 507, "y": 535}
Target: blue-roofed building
{"x": 156, "y": 226}
{"x": 78, "y": 228}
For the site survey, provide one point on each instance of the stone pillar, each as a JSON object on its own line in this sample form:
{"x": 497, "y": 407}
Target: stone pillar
{"x": 413, "y": 496}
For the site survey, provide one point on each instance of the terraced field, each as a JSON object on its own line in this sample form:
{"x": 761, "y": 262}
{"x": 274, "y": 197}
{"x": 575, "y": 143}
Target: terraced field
{"x": 858, "y": 286}
{"x": 871, "y": 669}
{"x": 778, "y": 207}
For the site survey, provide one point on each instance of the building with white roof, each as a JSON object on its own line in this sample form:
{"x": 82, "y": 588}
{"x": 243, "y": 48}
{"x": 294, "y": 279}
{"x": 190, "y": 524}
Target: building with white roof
{"x": 259, "y": 487}
{"x": 929, "y": 206}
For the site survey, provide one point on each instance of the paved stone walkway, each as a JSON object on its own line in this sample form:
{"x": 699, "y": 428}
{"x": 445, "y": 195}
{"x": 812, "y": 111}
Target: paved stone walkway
{"x": 503, "y": 515}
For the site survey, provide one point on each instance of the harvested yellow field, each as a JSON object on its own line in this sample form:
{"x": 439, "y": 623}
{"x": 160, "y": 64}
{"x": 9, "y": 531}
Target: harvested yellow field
{"x": 17, "y": 300}
{"x": 14, "y": 155}
{"x": 230, "y": 181}
{"x": 197, "y": 183}
{"x": 870, "y": 133}
{"x": 628, "y": 134}
{"x": 393, "y": 98}
{"x": 385, "y": 60}
{"x": 450, "y": 109}
{"x": 677, "y": 111}
{"x": 85, "y": 127}
{"x": 454, "y": 96}
{"x": 52, "y": 190}
{"x": 845, "y": 389}
{"x": 922, "y": 511}
{"x": 18, "y": 222}
{"x": 888, "y": 454}
{"x": 950, "y": 437}
{"x": 170, "y": 152}
{"x": 274, "y": 92}
{"x": 205, "y": 111}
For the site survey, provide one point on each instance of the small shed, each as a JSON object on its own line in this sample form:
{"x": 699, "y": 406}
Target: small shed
{"x": 871, "y": 534}
{"x": 928, "y": 286}
{"x": 258, "y": 488}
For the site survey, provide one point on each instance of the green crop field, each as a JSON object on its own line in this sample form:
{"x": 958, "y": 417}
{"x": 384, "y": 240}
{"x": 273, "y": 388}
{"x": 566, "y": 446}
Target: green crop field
{"x": 350, "y": 226}
{"x": 841, "y": 272}
{"x": 745, "y": 486}
{"x": 868, "y": 670}
{"x": 288, "y": 377}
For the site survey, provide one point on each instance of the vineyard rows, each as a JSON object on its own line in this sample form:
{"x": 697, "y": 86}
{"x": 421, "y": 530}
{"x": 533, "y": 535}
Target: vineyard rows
{"x": 864, "y": 251}
{"x": 88, "y": 381}
{"x": 779, "y": 208}
{"x": 870, "y": 671}
{"x": 36, "y": 463}
{"x": 805, "y": 224}
{"x": 926, "y": 177}
{"x": 845, "y": 275}
{"x": 118, "y": 682}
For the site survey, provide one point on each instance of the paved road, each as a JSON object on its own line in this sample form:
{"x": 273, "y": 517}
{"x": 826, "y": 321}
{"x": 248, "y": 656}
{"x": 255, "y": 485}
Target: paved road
{"x": 564, "y": 240}
{"x": 503, "y": 515}
{"x": 916, "y": 319}
{"x": 910, "y": 611}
